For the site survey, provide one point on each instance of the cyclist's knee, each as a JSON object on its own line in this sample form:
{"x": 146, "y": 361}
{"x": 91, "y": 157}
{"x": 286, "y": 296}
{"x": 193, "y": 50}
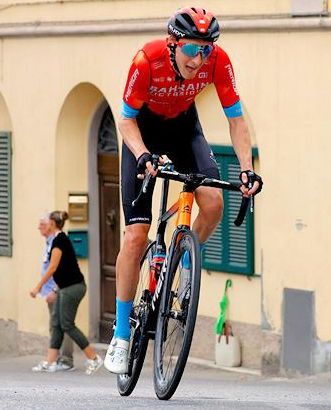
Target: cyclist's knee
{"x": 210, "y": 201}
{"x": 216, "y": 202}
{"x": 135, "y": 238}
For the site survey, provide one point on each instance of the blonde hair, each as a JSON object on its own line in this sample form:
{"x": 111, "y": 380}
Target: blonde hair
{"x": 59, "y": 217}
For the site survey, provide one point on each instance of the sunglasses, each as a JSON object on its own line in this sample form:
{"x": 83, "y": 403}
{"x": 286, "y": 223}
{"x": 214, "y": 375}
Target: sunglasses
{"x": 192, "y": 50}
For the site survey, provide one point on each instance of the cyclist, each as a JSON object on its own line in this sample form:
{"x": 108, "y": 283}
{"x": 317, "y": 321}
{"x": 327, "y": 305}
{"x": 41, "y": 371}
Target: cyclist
{"x": 159, "y": 116}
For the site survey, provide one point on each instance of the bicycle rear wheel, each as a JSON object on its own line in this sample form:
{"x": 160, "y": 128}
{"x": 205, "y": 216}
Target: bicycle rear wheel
{"x": 138, "y": 321}
{"x": 177, "y": 315}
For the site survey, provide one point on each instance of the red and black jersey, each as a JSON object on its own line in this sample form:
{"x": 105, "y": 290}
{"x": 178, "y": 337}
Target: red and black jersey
{"x": 152, "y": 80}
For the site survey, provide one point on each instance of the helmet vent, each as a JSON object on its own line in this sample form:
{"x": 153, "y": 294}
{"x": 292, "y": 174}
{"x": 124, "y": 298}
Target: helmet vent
{"x": 180, "y": 25}
{"x": 187, "y": 18}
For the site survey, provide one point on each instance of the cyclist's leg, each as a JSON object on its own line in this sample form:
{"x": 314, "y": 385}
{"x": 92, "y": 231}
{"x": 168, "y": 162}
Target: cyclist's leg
{"x": 210, "y": 203}
{"x": 137, "y": 221}
{"x": 192, "y": 153}
{"x": 209, "y": 200}
{"x": 127, "y": 264}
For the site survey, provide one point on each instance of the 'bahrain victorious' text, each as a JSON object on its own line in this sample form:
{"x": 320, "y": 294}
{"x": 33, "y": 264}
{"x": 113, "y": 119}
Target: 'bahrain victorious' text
{"x": 152, "y": 80}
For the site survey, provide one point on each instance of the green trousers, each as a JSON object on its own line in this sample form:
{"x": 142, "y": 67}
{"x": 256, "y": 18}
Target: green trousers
{"x": 64, "y": 314}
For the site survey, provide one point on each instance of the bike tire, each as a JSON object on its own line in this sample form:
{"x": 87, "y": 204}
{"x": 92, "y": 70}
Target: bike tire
{"x": 177, "y": 314}
{"x": 139, "y": 338}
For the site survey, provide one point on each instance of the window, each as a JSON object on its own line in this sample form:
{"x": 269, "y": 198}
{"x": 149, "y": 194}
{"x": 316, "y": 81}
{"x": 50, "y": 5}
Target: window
{"x": 107, "y": 136}
{"x": 5, "y": 194}
{"x": 230, "y": 248}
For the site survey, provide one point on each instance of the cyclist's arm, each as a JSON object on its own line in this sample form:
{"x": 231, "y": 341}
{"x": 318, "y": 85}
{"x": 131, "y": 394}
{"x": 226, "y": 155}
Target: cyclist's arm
{"x": 134, "y": 96}
{"x": 225, "y": 84}
{"x": 242, "y": 145}
{"x": 241, "y": 142}
{"x": 131, "y": 136}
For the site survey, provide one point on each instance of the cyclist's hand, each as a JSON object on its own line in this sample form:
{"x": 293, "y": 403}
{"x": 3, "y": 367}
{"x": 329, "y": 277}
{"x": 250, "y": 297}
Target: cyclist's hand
{"x": 252, "y": 183}
{"x": 145, "y": 165}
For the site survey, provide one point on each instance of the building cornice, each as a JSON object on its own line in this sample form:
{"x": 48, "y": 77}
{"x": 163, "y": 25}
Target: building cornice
{"x": 57, "y": 29}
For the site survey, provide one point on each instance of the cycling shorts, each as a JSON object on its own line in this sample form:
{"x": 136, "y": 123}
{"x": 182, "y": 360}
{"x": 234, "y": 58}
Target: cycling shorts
{"x": 181, "y": 139}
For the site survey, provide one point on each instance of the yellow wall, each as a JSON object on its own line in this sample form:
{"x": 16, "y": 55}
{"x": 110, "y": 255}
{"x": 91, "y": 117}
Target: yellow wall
{"x": 45, "y": 11}
{"x": 294, "y": 119}
{"x": 284, "y": 82}
{"x": 8, "y": 276}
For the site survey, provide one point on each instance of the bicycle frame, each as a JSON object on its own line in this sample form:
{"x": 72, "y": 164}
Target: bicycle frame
{"x": 184, "y": 208}
{"x": 164, "y": 216}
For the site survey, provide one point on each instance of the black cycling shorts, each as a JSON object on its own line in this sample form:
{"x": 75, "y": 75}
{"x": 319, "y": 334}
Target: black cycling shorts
{"x": 181, "y": 139}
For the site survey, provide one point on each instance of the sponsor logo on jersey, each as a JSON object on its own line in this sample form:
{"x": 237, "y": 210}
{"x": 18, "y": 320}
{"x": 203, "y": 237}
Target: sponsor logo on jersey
{"x": 177, "y": 90}
{"x": 233, "y": 80}
{"x": 131, "y": 84}
{"x": 158, "y": 79}
{"x": 202, "y": 75}
{"x": 158, "y": 64}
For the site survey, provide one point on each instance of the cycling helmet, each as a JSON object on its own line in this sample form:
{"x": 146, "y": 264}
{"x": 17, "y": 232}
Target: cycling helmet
{"x": 195, "y": 23}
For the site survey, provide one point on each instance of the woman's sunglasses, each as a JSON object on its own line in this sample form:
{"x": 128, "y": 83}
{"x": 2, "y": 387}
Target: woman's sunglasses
{"x": 192, "y": 50}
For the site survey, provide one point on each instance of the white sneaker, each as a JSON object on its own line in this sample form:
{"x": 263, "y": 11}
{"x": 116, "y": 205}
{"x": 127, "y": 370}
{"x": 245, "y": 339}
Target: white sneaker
{"x": 93, "y": 365}
{"x": 116, "y": 360}
{"x": 61, "y": 366}
{"x": 45, "y": 367}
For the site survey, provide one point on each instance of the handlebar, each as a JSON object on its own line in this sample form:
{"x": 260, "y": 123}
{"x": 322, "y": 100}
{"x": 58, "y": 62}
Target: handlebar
{"x": 194, "y": 181}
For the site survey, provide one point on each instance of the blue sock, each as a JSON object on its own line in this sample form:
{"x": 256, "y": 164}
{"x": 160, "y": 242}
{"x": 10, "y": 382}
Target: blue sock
{"x": 123, "y": 310}
{"x": 186, "y": 262}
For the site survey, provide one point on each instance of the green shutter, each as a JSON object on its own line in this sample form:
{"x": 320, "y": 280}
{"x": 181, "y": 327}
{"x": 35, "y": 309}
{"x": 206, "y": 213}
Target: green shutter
{"x": 5, "y": 194}
{"x": 230, "y": 248}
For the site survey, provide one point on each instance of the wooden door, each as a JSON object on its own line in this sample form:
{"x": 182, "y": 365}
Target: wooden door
{"x": 110, "y": 239}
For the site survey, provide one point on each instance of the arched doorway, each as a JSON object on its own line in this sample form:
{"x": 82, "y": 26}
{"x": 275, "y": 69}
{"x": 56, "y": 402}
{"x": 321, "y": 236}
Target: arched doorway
{"x": 108, "y": 175}
{"x": 87, "y": 162}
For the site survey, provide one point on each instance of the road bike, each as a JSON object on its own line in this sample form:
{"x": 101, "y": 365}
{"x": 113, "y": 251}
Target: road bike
{"x": 166, "y": 301}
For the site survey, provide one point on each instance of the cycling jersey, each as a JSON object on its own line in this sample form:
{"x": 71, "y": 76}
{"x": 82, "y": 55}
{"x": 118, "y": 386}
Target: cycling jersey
{"x": 152, "y": 80}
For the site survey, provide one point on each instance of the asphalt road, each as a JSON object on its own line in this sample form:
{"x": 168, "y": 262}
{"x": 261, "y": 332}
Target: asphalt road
{"x": 202, "y": 387}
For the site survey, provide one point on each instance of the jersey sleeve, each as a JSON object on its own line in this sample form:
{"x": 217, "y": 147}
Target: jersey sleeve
{"x": 137, "y": 85}
{"x": 225, "y": 84}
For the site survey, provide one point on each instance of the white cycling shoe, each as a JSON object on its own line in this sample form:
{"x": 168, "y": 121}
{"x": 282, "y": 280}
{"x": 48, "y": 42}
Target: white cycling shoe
{"x": 116, "y": 359}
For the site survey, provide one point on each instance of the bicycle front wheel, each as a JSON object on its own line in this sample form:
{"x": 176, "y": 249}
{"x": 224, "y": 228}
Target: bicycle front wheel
{"x": 138, "y": 321}
{"x": 177, "y": 314}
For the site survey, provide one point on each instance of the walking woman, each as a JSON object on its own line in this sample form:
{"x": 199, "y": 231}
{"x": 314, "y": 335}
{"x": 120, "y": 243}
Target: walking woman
{"x": 71, "y": 290}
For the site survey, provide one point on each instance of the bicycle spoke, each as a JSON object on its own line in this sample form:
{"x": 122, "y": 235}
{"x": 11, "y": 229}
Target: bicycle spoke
{"x": 168, "y": 344}
{"x": 171, "y": 354}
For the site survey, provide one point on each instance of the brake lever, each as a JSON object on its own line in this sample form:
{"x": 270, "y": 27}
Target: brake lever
{"x": 144, "y": 187}
{"x": 251, "y": 207}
